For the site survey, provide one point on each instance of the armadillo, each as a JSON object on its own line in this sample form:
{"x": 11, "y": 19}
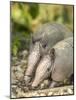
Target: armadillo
{"x": 48, "y": 34}
{"x": 58, "y": 63}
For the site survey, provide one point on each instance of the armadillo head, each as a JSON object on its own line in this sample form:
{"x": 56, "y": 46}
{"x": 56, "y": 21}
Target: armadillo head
{"x": 43, "y": 70}
{"x": 33, "y": 59}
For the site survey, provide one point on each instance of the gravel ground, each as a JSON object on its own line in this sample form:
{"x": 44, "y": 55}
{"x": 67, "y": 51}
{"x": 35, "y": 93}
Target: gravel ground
{"x": 18, "y": 88}
{"x": 66, "y": 90}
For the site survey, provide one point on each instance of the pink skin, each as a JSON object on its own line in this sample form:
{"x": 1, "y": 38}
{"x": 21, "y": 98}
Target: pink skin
{"x": 43, "y": 70}
{"x": 33, "y": 58}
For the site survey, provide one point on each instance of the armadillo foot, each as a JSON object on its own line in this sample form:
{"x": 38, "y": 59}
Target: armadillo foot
{"x": 54, "y": 84}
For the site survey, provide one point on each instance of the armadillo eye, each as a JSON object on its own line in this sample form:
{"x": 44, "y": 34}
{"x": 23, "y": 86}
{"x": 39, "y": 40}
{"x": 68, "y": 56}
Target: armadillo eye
{"x": 33, "y": 41}
{"x": 48, "y": 68}
{"x": 44, "y": 45}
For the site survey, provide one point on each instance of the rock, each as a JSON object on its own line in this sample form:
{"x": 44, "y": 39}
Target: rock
{"x": 13, "y": 78}
{"x": 70, "y": 91}
{"x": 44, "y": 84}
{"x": 25, "y": 89}
{"x": 16, "y": 63}
{"x": 42, "y": 94}
{"x": 23, "y": 62}
{"x": 13, "y": 95}
{"x": 14, "y": 59}
{"x": 19, "y": 75}
{"x": 50, "y": 93}
{"x": 35, "y": 94}
{"x": 56, "y": 93}
{"x": 23, "y": 54}
{"x": 13, "y": 91}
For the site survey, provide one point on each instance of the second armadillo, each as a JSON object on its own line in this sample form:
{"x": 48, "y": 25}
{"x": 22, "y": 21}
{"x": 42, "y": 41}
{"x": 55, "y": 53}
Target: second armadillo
{"x": 58, "y": 62}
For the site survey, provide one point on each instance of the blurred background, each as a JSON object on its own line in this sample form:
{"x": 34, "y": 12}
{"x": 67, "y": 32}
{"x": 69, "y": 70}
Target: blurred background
{"x": 26, "y": 17}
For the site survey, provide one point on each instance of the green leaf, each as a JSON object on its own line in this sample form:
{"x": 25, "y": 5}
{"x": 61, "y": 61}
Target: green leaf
{"x": 14, "y": 50}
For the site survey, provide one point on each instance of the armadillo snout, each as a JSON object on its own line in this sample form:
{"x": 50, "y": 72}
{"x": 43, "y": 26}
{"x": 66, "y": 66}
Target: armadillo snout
{"x": 35, "y": 84}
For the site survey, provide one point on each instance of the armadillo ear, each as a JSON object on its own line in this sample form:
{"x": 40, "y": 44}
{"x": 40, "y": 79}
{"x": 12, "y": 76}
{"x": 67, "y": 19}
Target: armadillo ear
{"x": 31, "y": 42}
{"x": 41, "y": 49}
{"x": 52, "y": 51}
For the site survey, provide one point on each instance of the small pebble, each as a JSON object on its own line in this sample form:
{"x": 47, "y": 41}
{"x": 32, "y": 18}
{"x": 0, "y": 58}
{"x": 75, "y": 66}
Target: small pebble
{"x": 19, "y": 75}
{"x": 26, "y": 89}
{"x": 20, "y": 94}
{"x": 35, "y": 94}
{"x": 17, "y": 63}
{"x": 13, "y": 96}
{"x": 70, "y": 91}
{"x": 14, "y": 86}
{"x": 42, "y": 94}
{"x": 23, "y": 54}
{"x": 56, "y": 93}
{"x": 50, "y": 93}
{"x": 27, "y": 95}
{"x": 23, "y": 62}
{"x": 46, "y": 82}
{"x": 42, "y": 85}
{"x": 14, "y": 58}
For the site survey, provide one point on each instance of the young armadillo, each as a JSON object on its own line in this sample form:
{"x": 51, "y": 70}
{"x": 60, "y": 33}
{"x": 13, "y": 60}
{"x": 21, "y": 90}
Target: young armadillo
{"x": 48, "y": 34}
{"x": 58, "y": 62}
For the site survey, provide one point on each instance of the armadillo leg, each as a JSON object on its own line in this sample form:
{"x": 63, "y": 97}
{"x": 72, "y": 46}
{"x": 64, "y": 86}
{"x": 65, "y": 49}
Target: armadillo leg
{"x": 54, "y": 84}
